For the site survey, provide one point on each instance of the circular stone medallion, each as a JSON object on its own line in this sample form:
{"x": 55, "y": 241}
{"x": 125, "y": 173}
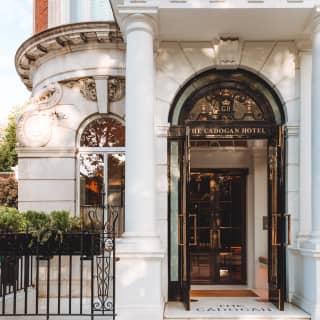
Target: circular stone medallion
{"x": 34, "y": 129}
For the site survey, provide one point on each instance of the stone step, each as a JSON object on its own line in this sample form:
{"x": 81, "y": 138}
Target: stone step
{"x": 232, "y": 308}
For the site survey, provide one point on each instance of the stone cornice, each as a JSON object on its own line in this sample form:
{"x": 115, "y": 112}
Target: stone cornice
{"x": 65, "y": 38}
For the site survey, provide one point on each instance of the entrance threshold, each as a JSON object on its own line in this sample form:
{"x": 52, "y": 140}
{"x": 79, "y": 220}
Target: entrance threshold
{"x": 232, "y": 308}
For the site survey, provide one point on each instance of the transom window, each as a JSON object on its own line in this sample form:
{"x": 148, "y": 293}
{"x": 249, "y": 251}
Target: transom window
{"x": 101, "y": 171}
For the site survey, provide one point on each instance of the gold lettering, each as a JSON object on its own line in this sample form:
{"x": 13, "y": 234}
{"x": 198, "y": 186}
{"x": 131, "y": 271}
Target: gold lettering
{"x": 255, "y": 131}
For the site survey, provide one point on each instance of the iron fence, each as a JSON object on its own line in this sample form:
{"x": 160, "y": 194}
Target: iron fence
{"x": 72, "y": 280}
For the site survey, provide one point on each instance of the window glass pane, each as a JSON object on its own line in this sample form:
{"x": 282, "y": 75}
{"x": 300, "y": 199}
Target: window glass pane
{"x": 103, "y": 132}
{"x": 91, "y": 186}
{"x": 115, "y": 190}
{"x": 101, "y": 10}
{"x": 75, "y": 10}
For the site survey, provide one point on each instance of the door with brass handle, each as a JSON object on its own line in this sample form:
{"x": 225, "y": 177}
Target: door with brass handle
{"x": 195, "y": 231}
{"x": 180, "y": 230}
{"x": 279, "y": 232}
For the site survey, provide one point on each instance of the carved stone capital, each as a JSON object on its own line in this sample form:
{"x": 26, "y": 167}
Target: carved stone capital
{"x": 116, "y": 88}
{"x": 293, "y": 129}
{"x": 162, "y": 129}
{"x": 87, "y": 87}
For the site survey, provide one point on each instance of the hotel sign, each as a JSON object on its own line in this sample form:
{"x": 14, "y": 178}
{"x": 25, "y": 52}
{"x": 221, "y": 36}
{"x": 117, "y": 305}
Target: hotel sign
{"x": 231, "y": 132}
{"x": 223, "y": 132}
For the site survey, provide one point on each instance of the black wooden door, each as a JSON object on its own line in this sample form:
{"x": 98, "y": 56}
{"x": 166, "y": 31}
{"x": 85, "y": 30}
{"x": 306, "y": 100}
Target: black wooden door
{"x": 277, "y": 230}
{"x": 184, "y": 238}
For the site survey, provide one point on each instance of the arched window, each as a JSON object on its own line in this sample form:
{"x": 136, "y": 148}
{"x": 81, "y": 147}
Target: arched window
{"x": 101, "y": 171}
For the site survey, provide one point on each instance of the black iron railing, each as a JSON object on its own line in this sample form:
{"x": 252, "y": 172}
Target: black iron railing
{"x": 75, "y": 277}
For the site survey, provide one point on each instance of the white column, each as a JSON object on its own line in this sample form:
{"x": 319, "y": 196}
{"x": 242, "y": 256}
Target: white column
{"x": 139, "y": 271}
{"x": 307, "y": 291}
{"x": 140, "y": 141}
{"x": 305, "y": 142}
{"x": 315, "y": 126}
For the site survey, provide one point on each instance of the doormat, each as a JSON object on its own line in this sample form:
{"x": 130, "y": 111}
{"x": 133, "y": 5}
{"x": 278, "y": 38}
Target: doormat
{"x": 232, "y": 308}
{"x": 222, "y": 293}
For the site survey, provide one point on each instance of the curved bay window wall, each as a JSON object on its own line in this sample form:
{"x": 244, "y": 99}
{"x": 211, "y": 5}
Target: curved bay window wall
{"x": 90, "y": 10}
{"x": 102, "y": 171}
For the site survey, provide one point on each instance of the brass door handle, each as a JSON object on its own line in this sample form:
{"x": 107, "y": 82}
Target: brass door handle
{"x": 274, "y": 229}
{"x": 195, "y": 232}
{"x": 180, "y": 223}
{"x": 288, "y": 218}
{"x": 275, "y": 220}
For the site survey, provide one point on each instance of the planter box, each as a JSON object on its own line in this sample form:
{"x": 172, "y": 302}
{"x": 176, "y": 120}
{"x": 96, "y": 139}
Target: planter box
{"x": 14, "y": 244}
{"x": 20, "y": 244}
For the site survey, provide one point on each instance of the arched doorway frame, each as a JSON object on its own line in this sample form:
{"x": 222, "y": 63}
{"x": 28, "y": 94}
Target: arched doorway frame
{"x": 179, "y": 132}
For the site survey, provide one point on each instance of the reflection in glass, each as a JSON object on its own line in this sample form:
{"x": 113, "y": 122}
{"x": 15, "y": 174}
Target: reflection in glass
{"x": 217, "y": 252}
{"x": 103, "y": 132}
{"x": 102, "y": 183}
{"x": 91, "y": 179}
{"x": 115, "y": 194}
{"x": 91, "y": 187}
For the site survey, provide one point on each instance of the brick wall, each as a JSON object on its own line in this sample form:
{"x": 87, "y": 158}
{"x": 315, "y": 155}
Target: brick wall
{"x": 41, "y": 15}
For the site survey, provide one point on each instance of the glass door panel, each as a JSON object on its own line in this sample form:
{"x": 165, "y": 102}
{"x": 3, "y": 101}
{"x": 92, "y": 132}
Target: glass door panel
{"x": 217, "y": 203}
{"x": 115, "y": 190}
{"x": 92, "y": 168}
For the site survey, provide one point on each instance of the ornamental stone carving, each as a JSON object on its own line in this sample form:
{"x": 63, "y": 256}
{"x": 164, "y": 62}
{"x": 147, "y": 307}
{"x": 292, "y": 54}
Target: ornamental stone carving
{"x": 228, "y": 49}
{"x": 49, "y": 96}
{"x": 34, "y": 125}
{"x": 87, "y": 87}
{"x": 34, "y": 128}
{"x": 75, "y": 37}
{"x": 116, "y": 88}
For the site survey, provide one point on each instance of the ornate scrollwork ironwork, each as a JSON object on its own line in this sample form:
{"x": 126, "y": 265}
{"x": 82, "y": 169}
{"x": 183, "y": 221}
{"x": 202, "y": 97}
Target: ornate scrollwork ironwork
{"x": 104, "y": 283}
{"x": 226, "y": 104}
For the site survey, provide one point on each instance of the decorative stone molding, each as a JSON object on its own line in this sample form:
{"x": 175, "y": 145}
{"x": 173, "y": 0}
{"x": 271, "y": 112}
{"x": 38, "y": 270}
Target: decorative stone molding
{"x": 87, "y": 87}
{"x": 162, "y": 129}
{"x": 293, "y": 129}
{"x": 65, "y": 38}
{"x": 116, "y": 88}
{"x": 228, "y": 49}
{"x": 49, "y": 96}
{"x": 47, "y": 152}
{"x": 34, "y": 128}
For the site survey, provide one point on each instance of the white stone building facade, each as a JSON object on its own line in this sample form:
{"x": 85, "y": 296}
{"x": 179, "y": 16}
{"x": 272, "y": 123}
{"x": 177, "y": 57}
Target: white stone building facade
{"x": 83, "y": 68}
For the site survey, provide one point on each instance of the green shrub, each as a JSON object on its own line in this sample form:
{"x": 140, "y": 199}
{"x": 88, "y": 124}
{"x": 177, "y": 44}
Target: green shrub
{"x": 60, "y": 220}
{"x": 75, "y": 224}
{"x": 11, "y": 220}
{"x": 37, "y": 220}
{"x": 39, "y": 225}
